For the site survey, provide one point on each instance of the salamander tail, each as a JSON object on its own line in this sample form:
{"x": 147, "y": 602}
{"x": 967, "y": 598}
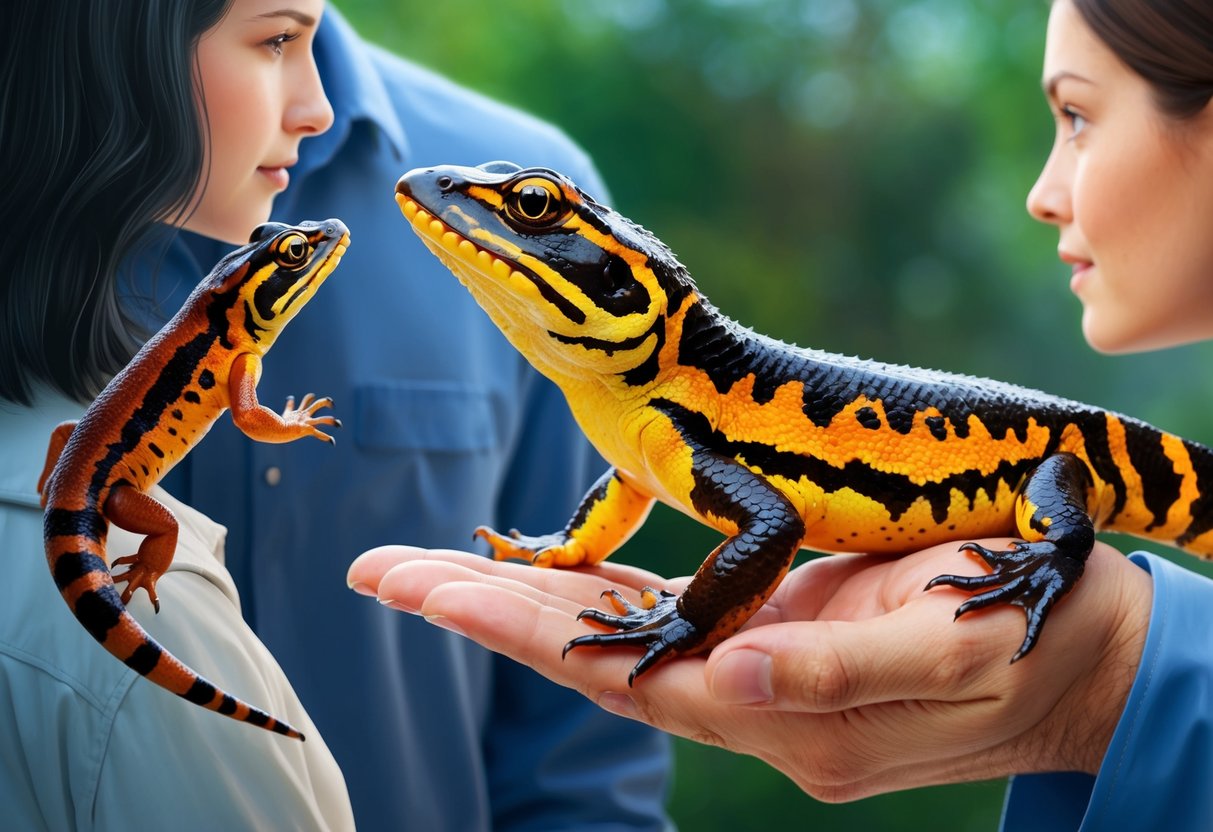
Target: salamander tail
{"x": 75, "y": 550}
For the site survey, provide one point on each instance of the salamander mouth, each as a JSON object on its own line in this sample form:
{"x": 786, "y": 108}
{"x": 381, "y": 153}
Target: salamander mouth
{"x": 331, "y": 261}
{"x": 450, "y": 244}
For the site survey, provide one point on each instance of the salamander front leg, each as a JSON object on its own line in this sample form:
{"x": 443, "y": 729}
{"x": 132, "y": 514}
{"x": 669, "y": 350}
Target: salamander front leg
{"x": 730, "y": 586}
{"x": 1037, "y": 572}
{"x": 259, "y": 422}
{"x": 608, "y": 515}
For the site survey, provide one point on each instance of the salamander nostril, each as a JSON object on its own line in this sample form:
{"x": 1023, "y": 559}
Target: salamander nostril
{"x": 445, "y": 183}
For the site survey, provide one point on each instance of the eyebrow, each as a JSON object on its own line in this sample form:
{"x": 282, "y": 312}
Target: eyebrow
{"x": 297, "y": 16}
{"x": 1050, "y": 84}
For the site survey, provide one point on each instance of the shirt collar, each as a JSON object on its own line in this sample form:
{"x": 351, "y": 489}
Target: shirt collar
{"x": 355, "y": 90}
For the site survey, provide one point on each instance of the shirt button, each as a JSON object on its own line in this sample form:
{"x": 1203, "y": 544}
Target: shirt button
{"x": 273, "y": 475}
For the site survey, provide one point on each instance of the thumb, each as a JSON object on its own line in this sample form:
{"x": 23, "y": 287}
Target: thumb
{"x": 913, "y": 652}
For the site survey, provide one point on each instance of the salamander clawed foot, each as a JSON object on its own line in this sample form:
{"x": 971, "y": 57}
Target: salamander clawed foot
{"x": 137, "y": 576}
{"x": 556, "y": 549}
{"x": 1033, "y": 576}
{"x": 658, "y": 625}
{"x": 304, "y": 419}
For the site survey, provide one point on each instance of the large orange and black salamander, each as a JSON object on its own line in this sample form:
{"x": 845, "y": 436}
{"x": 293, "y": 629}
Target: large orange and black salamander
{"x": 775, "y": 446}
{"x": 205, "y": 360}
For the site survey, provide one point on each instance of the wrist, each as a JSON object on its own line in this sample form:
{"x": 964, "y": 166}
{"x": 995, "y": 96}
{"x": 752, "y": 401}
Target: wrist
{"x": 1089, "y": 714}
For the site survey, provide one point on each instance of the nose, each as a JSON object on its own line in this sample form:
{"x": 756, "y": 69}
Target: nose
{"x": 308, "y": 111}
{"x": 1049, "y": 199}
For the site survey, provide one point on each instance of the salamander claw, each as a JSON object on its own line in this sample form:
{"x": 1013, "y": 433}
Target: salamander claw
{"x": 1032, "y": 576}
{"x": 659, "y": 626}
{"x": 304, "y": 419}
{"x": 137, "y": 576}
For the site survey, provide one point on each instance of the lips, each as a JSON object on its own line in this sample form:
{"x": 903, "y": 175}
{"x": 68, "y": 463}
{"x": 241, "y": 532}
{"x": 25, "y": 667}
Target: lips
{"x": 1078, "y": 271}
{"x": 278, "y": 176}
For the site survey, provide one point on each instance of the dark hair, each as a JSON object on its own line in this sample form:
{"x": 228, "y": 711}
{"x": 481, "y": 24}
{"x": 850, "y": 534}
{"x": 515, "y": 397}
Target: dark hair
{"x": 1167, "y": 42}
{"x": 101, "y": 136}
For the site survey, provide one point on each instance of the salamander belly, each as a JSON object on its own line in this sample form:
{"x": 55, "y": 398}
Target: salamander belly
{"x": 157, "y": 453}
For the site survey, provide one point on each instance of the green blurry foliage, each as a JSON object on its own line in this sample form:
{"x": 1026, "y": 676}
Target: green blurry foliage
{"x": 843, "y": 174}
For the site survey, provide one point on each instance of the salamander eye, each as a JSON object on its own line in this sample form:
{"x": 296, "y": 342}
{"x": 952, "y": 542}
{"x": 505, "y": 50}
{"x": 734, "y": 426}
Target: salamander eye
{"x": 291, "y": 251}
{"x": 535, "y": 202}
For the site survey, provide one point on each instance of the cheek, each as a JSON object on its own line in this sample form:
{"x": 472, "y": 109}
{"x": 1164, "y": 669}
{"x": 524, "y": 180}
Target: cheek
{"x": 236, "y": 123}
{"x": 1144, "y": 218}
{"x": 240, "y": 134}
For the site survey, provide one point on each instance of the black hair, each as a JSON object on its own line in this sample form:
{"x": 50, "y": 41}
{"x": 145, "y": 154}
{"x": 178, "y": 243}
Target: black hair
{"x": 1167, "y": 42}
{"x": 101, "y": 137}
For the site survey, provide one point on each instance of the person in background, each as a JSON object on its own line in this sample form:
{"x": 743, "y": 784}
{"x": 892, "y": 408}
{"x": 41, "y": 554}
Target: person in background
{"x": 446, "y": 427}
{"x": 854, "y": 681}
{"x": 121, "y": 121}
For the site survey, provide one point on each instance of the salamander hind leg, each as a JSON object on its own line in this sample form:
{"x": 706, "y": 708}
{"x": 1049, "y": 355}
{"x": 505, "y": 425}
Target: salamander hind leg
{"x": 1037, "y": 572}
{"x": 129, "y": 508}
{"x": 54, "y": 449}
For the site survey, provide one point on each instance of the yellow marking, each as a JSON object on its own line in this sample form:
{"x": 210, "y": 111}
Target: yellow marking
{"x": 609, "y": 523}
{"x": 1025, "y": 511}
{"x": 1135, "y": 517}
{"x": 489, "y": 196}
{"x": 523, "y": 285}
{"x": 1179, "y": 515}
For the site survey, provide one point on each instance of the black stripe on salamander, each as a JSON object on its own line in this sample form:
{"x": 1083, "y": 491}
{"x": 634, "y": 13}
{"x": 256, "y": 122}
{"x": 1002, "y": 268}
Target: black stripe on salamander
{"x": 727, "y": 352}
{"x": 1094, "y": 427}
{"x": 202, "y": 692}
{"x": 1202, "y": 506}
{"x": 1160, "y": 481}
{"x": 72, "y": 566}
{"x": 145, "y": 658}
{"x": 62, "y": 522}
{"x": 99, "y": 610}
{"x": 168, "y": 388}
{"x": 896, "y": 492}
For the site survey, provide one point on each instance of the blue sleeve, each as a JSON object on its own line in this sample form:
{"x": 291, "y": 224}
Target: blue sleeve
{"x": 1157, "y": 769}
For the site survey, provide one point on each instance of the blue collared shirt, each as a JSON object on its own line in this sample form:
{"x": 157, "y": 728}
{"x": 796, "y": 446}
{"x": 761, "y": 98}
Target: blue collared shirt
{"x": 1157, "y": 771}
{"x": 446, "y": 427}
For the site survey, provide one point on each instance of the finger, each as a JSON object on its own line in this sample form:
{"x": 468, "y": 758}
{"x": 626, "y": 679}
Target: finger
{"x": 808, "y": 588}
{"x": 368, "y": 569}
{"x": 529, "y": 629}
{"x": 671, "y": 696}
{"x": 914, "y": 652}
{"x": 406, "y": 586}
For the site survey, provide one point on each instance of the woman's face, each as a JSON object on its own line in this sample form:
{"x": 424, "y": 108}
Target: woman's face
{"x": 263, "y": 95}
{"x": 1131, "y": 193}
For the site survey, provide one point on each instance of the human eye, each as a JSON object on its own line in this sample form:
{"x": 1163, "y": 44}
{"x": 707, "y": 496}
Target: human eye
{"x": 279, "y": 40}
{"x": 1076, "y": 121}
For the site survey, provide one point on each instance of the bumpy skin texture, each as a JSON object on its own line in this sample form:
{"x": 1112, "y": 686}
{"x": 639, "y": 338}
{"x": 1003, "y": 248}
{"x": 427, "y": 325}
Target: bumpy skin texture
{"x": 776, "y": 446}
{"x": 204, "y": 361}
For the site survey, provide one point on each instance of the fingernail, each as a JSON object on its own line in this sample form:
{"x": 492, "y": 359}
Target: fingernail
{"x": 743, "y": 677}
{"x": 445, "y": 623}
{"x": 396, "y": 605}
{"x": 619, "y": 704}
{"x": 362, "y": 589}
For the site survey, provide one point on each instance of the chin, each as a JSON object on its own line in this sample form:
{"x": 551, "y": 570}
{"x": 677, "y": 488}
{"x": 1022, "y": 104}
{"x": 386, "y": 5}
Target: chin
{"x": 228, "y": 228}
{"x": 1113, "y": 341}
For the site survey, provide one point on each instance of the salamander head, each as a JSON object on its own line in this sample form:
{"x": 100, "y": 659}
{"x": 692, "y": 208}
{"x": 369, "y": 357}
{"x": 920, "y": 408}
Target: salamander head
{"x": 265, "y": 283}
{"x": 576, "y": 287}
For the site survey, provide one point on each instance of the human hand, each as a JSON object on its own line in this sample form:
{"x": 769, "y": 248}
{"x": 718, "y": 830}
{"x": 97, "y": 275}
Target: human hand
{"x": 851, "y": 680}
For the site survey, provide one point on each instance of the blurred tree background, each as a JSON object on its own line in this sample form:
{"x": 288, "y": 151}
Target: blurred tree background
{"x": 843, "y": 174}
